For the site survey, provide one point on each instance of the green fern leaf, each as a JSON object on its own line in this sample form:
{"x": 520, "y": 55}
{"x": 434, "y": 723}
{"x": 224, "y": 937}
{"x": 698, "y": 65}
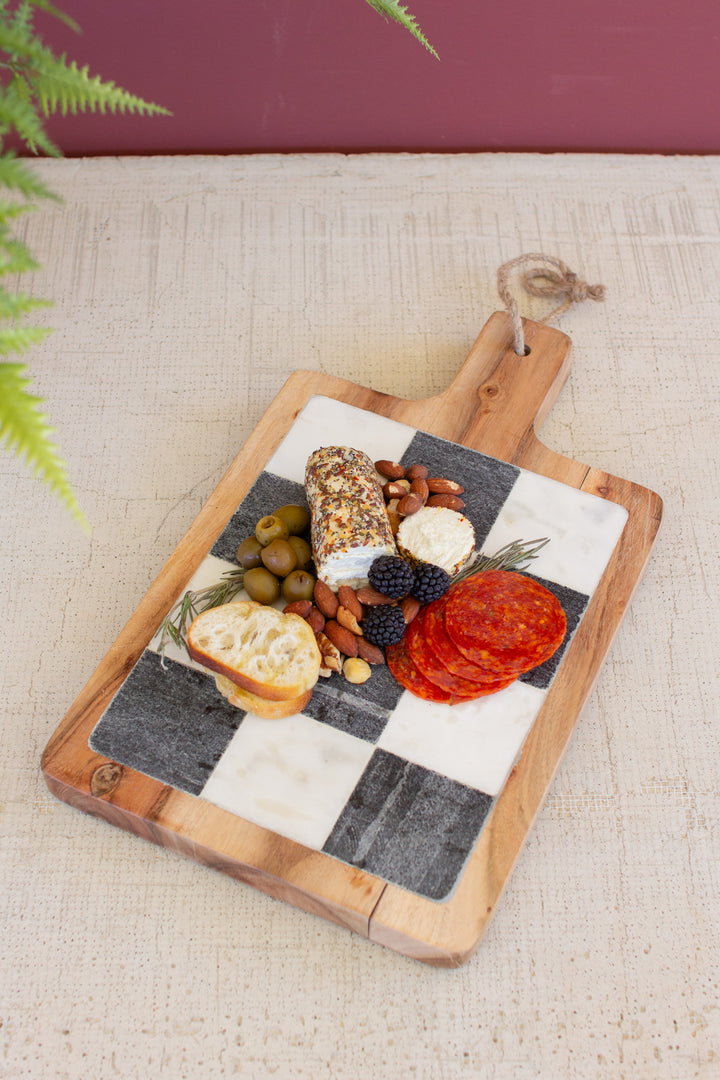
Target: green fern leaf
{"x": 25, "y": 431}
{"x": 392, "y": 9}
{"x": 14, "y": 256}
{"x": 68, "y": 88}
{"x": 15, "y": 305}
{"x": 18, "y": 339}
{"x": 18, "y": 114}
{"x": 16, "y": 176}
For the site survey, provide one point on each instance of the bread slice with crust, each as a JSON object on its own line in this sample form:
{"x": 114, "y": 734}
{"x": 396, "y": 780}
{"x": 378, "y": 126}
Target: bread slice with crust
{"x": 263, "y": 707}
{"x": 263, "y": 650}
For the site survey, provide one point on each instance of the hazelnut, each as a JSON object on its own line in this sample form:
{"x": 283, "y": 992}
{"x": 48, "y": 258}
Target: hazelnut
{"x": 356, "y": 670}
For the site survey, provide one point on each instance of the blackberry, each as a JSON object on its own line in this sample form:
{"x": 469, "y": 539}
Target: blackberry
{"x": 431, "y": 582}
{"x": 391, "y": 576}
{"x": 384, "y": 624}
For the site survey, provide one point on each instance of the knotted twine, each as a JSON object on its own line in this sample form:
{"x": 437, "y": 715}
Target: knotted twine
{"x": 553, "y": 281}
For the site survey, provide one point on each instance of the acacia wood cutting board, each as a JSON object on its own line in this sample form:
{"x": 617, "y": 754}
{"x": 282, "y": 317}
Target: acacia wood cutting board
{"x": 493, "y": 406}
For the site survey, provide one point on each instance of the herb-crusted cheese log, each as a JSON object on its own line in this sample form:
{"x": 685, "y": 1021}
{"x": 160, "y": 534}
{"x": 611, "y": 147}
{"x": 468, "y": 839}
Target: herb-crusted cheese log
{"x": 349, "y": 523}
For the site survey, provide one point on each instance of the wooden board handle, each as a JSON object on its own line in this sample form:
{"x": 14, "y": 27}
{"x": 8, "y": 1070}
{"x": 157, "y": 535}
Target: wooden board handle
{"x": 505, "y": 397}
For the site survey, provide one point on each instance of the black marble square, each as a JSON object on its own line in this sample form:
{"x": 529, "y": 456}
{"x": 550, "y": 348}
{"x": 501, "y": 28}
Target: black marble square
{"x": 169, "y": 723}
{"x": 266, "y": 494}
{"x": 574, "y": 605}
{"x": 332, "y": 704}
{"x": 487, "y": 481}
{"x": 409, "y": 825}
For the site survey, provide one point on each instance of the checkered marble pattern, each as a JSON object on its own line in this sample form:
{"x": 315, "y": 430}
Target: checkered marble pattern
{"x": 369, "y": 774}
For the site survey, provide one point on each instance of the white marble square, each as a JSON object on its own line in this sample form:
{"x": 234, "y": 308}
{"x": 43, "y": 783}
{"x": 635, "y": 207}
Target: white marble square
{"x": 326, "y": 422}
{"x": 583, "y": 530}
{"x": 209, "y": 573}
{"x": 476, "y": 743}
{"x": 291, "y": 776}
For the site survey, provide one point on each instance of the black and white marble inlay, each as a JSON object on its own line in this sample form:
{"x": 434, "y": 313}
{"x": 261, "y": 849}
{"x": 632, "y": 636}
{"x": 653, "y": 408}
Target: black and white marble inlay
{"x": 370, "y": 774}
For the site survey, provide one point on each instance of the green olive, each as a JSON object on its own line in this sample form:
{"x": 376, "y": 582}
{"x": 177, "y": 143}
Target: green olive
{"x": 279, "y": 557}
{"x": 297, "y": 518}
{"x": 261, "y": 585}
{"x": 303, "y": 551}
{"x": 271, "y": 528}
{"x": 248, "y": 553}
{"x": 298, "y": 585}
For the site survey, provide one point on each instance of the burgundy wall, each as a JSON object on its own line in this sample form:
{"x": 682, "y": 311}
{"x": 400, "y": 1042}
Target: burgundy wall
{"x": 247, "y": 75}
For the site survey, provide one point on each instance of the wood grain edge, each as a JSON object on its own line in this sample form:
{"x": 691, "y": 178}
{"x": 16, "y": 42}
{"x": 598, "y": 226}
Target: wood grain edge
{"x": 448, "y": 934}
{"x": 440, "y": 934}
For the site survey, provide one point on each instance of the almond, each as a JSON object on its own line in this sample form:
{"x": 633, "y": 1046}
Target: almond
{"x": 348, "y": 599}
{"x": 298, "y": 607}
{"x": 348, "y": 620}
{"x": 438, "y": 485}
{"x": 394, "y": 489}
{"x": 315, "y": 619}
{"x": 450, "y": 502}
{"x": 369, "y": 595}
{"x": 372, "y": 653}
{"x": 416, "y": 472}
{"x": 409, "y": 607}
{"x": 325, "y": 599}
{"x": 341, "y": 637}
{"x": 419, "y": 487}
{"x": 410, "y": 504}
{"x": 391, "y": 470}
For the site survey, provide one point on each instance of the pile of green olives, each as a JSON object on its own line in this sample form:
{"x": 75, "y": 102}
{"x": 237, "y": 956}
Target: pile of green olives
{"x": 277, "y": 559}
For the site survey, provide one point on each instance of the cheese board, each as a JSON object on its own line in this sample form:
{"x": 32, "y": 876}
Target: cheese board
{"x": 395, "y": 817}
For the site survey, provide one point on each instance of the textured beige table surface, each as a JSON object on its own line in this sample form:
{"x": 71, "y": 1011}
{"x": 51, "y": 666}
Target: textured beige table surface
{"x": 186, "y": 289}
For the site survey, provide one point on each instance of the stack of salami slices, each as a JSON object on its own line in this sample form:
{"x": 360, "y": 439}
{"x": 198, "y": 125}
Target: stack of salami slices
{"x": 479, "y": 637}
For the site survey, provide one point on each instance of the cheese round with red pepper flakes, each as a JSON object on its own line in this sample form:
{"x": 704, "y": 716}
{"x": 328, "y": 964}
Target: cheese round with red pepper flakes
{"x": 349, "y": 524}
{"x": 437, "y": 535}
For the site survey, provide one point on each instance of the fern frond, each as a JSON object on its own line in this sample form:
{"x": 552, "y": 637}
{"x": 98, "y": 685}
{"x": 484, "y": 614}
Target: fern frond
{"x": 16, "y": 176}
{"x": 64, "y": 86}
{"x": 25, "y": 431}
{"x": 14, "y": 305}
{"x": 50, "y": 9}
{"x": 392, "y": 9}
{"x": 15, "y": 257}
{"x": 18, "y": 339}
{"x": 17, "y": 113}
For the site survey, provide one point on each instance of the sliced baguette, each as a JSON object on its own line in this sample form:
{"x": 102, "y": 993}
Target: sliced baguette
{"x": 270, "y": 653}
{"x": 263, "y": 707}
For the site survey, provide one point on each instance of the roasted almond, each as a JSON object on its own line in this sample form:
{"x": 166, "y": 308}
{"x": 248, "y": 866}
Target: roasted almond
{"x": 372, "y": 653}
{"x": 394, "y": 489}
{"x": 348, "y": 599}
{"x": 391, "y": 470}
{"x": 410, "y": 504}
{"x": 450, "y": 502}
{"x": 369, "y": 595}
{"x": 298, "y": 607}
{"x": 409, "y": 607}
{"x": 438, "y": 485}
{"x": 419, "y": 487}
{"x": 325, "y": 599}
{"x": 315, "y": 619}
{"x": 341, "y": 637}
{"x": 416, "y": 472}
{"x": 348, "y": 620}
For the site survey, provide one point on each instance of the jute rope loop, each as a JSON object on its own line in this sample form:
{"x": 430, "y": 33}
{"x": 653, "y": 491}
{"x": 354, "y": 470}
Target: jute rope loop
{"x": 554, "y": 280}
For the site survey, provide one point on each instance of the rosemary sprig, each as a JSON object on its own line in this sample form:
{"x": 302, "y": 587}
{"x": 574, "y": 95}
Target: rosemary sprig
{"x": 195, "y": 601}
{"x": 514, "y": 556}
